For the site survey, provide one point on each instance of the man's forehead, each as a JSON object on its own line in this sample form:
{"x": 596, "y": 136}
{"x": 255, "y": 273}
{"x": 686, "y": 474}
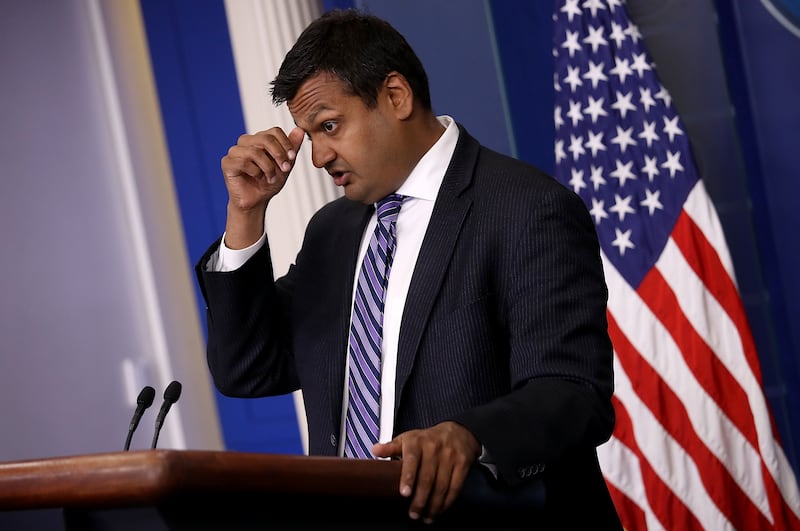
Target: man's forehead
{"x": 320, "y": 92}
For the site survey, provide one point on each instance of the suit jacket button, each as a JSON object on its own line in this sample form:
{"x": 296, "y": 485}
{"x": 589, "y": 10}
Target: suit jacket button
{"x": 333, "y": 440}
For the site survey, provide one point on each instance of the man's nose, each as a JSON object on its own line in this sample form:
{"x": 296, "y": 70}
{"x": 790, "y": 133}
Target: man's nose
{"x": 321, "y": 154}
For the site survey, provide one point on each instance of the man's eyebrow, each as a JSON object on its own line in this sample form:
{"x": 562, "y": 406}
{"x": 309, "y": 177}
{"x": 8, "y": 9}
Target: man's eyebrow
{"x": 312, "y": 117}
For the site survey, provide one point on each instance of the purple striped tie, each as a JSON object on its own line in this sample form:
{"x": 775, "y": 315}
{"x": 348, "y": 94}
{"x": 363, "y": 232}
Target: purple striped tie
{"x": 366, "y": 332}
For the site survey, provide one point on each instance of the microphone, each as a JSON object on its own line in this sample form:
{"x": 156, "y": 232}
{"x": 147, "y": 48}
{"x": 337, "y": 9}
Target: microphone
{"x": 143, "y": 401}
{"x": 171, "y": 395}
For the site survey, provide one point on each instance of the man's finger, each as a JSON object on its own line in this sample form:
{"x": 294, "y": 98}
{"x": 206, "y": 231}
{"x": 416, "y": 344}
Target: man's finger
{"x": 439, "y": 492}
{"x": 457, "y": 479}
{"x": 425, "y": 478}
{"x": 296, "y": 140}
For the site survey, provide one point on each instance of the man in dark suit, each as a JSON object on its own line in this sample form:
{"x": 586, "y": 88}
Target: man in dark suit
{"x": 493, "y": 342}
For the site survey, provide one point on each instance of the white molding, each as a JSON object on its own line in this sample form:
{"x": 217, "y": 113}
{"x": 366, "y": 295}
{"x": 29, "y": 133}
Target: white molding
{"x": 174, "y": 339}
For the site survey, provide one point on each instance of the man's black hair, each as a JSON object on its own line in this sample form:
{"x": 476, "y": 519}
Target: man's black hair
{"x": 356, "y": 47}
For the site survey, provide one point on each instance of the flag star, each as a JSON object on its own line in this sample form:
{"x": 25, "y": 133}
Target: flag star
{"x": 576, "y": 146}
{"x": 560, "y": 153}
{"x": 646, "y": 99}
{"x": 671, "y": 127}
{"x": 571, "y": 43}
{"x": 623, "y": 103}
{"x": 577, "y": 181}
{"x": 559, "y": 121}
{"x": 556, "y": 84}
{"x": 596, "y": 38}
{"x": 633, "y": 31}
{"x": 598, "y": 212}
{"x": 623, "y": 241}
{"x": 597, "y": 177}
{"x": 613, "y": 4}
{"x": 595, "y": 142}
{"x": 595, "y": 73}
{"x": 623, "y": 172}
{"x": 662, "y": 94}
{"x": 573, "y": 78}
{"x": 650, "y": 167}
{"x": 575, "y": 112}
{"x": 649, "y": 133}
{"x": 617, "y": 34}
{"x": 640, "y": 63}
{"x": 595, "y": 109}
{"x": 571, "y": 8}
{"x": 673, "y": 163}
{"x": 651, "y": 202}
{"x": 623, "y": 138}
{"x": 622, "y": 206}
{"x": 593, "y": 6}
{"x": 621, "y": 69}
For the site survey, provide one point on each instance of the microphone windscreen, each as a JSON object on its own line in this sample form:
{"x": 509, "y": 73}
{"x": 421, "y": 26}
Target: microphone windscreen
{"x": 146, "y": 396}
{"x": 173, "y": 392}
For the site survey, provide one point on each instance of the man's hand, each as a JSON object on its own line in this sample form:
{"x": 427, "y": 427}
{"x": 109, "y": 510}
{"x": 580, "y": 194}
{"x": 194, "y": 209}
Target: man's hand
{"x": 435, "y": 464}
{"x": 255, "y": 170}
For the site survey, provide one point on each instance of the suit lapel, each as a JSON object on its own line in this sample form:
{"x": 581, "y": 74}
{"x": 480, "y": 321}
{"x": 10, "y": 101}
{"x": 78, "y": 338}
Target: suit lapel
{"x": 440, "y": 239}
{"x": 352, "y": 226}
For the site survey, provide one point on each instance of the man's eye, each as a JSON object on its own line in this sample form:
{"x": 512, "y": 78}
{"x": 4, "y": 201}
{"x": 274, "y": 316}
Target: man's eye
{"x": 328, "y": 126}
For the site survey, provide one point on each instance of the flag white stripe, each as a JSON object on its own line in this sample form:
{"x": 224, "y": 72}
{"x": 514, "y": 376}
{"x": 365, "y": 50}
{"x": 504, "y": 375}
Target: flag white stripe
{"x": 699, "y": 207}
{"x": 626, "y": 476}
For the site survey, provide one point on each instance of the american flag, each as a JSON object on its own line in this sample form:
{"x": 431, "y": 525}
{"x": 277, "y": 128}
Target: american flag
{"x": 694, "y": 446}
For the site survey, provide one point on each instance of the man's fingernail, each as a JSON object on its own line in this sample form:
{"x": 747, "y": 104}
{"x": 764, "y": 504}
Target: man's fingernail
{"x": 291, "y": 154}
{"x": 286, "y": 166}
{"x": 405, "y": 490}
{"x": 428, "y": 520}
{"x": 413, "y": 515}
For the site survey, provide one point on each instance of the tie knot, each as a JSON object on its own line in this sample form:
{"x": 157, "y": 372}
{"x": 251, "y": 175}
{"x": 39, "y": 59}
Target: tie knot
{"x": 389, "y": 207}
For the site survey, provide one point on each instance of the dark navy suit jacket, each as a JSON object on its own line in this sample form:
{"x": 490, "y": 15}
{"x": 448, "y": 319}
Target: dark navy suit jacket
{"x": 504, "y": 328}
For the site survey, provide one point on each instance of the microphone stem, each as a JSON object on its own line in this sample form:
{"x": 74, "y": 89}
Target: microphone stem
{"x": 155, "y": 435}
{"x": 128, "y": 440}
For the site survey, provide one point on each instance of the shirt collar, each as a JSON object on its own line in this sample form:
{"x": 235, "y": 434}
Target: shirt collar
{"x": 425, "y": 179}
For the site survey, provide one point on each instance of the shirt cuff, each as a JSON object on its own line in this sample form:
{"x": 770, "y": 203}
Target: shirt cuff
{"x": 486, "y": 460}
{"x": 225, "y": 259}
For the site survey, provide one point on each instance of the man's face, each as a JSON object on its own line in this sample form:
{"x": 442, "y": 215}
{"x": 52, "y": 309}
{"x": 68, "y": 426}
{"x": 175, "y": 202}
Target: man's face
{"x": 360, "y": 147}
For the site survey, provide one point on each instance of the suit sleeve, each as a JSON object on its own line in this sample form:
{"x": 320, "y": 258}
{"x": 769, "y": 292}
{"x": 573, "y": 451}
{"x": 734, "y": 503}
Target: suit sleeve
{"x": 248, "y": 347}
{"x": 560, "y": 355}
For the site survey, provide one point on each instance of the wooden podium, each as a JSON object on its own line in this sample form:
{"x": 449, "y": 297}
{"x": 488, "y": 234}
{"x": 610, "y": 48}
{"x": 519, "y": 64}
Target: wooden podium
{"x": 165, "y": 490}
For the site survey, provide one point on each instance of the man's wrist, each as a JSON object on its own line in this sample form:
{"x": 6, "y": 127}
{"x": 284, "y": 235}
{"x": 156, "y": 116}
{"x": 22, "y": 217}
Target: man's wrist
{"x": 243, "y": 228}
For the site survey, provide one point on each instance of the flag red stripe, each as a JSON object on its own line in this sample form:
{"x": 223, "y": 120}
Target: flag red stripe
{"x": 631, "y": 515}
{"x": 667, "y": 407}
{"x": 667, "y": 507}
{"x": 715, "y": 378}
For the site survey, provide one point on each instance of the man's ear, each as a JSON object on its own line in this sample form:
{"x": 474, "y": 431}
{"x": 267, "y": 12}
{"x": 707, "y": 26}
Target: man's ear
{"x": 399, "y": 94}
